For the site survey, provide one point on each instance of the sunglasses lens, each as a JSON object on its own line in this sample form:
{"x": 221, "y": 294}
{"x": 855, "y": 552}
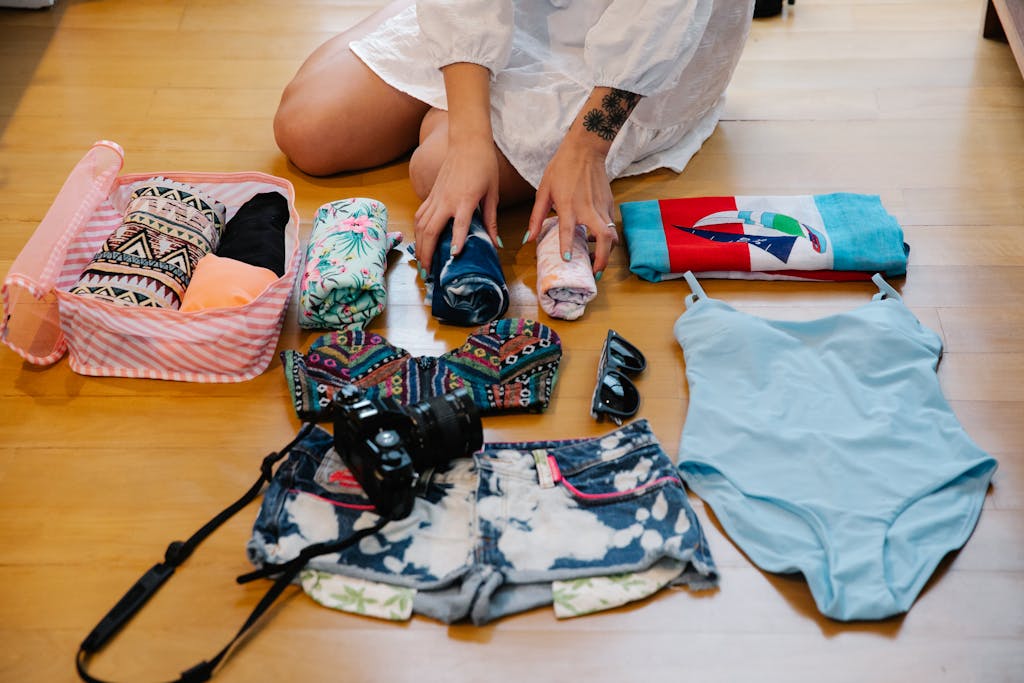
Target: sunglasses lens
{"x": 626, "y": 355}
{"x": 618, "y": 394}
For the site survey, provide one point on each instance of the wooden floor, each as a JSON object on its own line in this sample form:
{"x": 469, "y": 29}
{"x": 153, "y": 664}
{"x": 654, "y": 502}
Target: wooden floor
{"x": 902, "y": 98}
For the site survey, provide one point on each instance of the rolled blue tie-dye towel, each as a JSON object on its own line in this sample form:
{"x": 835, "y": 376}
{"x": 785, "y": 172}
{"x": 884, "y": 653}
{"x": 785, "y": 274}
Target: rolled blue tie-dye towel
{"x": 469, "y": 288}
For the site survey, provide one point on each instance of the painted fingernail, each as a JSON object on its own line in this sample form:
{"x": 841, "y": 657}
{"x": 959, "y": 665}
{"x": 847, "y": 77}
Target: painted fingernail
{"x": 501, "y": 245}
{"x": 597, "y": 275}
{"x": 567, "y": 256}
{"x": 526, "y": 236}
{"x": 454, "y": 250}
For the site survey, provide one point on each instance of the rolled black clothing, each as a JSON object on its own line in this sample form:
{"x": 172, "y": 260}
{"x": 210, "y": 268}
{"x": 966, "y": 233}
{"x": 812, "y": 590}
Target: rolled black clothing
{"x": 255, "y": 234}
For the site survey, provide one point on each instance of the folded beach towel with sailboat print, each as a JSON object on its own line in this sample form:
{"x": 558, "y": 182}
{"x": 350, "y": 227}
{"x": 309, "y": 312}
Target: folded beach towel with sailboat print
{"x": 832, "y": 237}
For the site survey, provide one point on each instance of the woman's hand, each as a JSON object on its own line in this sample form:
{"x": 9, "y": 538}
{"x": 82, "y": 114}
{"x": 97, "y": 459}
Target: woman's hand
{"x": 576, "y": 185}
{"x": 468, "y": 178}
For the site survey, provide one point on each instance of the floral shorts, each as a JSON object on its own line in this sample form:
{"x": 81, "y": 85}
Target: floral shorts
{"x": 584, "y": 524}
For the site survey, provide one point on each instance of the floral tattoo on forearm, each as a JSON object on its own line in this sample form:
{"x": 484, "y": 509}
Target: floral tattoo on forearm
{"x": 616, "y": 107}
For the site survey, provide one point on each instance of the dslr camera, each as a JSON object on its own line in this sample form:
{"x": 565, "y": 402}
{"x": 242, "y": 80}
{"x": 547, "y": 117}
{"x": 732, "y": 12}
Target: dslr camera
{"x": 388, "y": 447}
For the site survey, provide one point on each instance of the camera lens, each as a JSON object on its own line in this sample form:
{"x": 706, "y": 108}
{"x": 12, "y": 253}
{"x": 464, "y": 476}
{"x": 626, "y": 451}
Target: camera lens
{"x": 445, "y": 427}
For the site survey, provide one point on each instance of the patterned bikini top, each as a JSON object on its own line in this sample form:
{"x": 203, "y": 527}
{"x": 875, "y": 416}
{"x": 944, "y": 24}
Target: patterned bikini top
{"x": 508, "y": 364}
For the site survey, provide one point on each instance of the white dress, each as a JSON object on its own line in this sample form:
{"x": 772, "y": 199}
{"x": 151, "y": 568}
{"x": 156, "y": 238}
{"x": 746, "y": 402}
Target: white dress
{"x": 545, "y": 57}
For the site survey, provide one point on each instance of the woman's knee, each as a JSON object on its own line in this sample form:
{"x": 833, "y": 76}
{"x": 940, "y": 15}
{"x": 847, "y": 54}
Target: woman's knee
{"x": 426, "y": 159}
{"x": 324, "y": 131}
{"x": 424, "y": 165}
{"x": 323, "y": 146}
{"x": 299, "y": 136}
{"x": 325, "y": 138}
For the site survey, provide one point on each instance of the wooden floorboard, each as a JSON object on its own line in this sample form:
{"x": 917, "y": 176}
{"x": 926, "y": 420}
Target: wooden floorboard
{"x": 900, "y": 98}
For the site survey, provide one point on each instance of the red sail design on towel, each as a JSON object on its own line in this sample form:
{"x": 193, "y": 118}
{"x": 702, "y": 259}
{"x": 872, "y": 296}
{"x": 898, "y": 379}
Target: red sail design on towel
{"x": 687, "y": 251}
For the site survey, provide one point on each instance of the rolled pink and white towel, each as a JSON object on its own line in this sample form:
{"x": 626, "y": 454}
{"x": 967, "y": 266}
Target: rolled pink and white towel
{"x": 564, "y": 288}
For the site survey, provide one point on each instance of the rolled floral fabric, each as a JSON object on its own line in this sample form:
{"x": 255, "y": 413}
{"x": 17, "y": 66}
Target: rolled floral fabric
{"x": 343, "y": 284}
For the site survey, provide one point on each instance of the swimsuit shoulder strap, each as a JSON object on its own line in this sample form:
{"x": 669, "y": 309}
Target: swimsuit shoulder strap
{"x": 885, "y": 290}
{"x": 695, "y": 288}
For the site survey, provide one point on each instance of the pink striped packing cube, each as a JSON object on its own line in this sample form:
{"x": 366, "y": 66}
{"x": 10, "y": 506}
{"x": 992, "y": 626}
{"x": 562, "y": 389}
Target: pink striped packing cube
{"x": 43, "y": 320}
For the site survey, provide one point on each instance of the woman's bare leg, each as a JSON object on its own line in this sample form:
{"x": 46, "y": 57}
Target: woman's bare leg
{"x": 426, "y": 162}
{"x": 338, "y": 115}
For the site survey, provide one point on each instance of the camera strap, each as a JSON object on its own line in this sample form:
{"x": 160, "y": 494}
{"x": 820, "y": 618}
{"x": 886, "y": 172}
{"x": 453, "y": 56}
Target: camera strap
{"x": 179, "y": 551}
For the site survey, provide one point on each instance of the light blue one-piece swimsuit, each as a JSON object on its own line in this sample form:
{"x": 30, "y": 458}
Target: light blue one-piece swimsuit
{"x": 826, "y": 447}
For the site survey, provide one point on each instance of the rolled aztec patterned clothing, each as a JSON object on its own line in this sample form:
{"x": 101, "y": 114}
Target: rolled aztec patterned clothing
{"x": 508, "y": 364}
{"x": 149, "y": 259}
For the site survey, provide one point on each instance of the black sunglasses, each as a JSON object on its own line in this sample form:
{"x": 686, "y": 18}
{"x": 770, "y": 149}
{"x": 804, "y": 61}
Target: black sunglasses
{"x": 615, "y": 395}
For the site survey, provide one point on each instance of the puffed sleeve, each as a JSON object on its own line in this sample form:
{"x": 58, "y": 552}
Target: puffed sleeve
{"x": 642, "y": 46}
{"x": 476, "y": 31}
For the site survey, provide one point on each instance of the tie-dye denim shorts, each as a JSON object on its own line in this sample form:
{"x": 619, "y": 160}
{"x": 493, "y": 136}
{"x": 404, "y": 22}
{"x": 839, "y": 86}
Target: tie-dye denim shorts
{"x": 584, "y": 524}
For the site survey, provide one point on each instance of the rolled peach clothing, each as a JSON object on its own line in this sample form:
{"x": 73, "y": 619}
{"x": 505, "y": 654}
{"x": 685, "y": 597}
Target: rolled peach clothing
{"x": 220, "y": 282}
{"x": 563, "y": 287}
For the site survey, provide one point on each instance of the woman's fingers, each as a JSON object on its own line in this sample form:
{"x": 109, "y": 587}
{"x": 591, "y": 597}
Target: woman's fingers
{"x": 490, "y": 216}
{"x": 460, "y": 227}
{"x": 541, "y": 208}
{"x": 426, "y": 236}
{"x": 606, "y": 237}
{"x": 566, "y": 231}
